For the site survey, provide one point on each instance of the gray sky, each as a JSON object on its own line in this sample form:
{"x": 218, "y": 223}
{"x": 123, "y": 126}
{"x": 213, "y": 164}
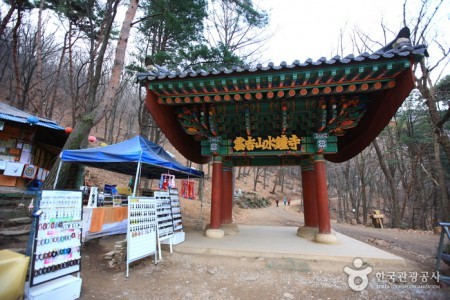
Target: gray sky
{"x": 310, "y": 28}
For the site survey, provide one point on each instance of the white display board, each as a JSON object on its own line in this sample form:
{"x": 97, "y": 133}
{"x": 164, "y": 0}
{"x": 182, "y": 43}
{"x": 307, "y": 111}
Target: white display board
{"x": 164, "y": 214}
{"x": 165, "y": 220}
{"x": 57, "y": 242}
{"x": 176, "y": 209}
{"x": 142, "y": 229}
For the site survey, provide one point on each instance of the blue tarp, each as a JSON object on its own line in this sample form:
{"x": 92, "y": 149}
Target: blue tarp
{"x": 125, "y": 156}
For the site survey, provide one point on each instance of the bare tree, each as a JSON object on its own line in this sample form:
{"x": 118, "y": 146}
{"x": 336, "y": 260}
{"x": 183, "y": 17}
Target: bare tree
{"x": 421, "y": 33}
{"x": 256, "y": 174}
{"x": 96, "y": 109}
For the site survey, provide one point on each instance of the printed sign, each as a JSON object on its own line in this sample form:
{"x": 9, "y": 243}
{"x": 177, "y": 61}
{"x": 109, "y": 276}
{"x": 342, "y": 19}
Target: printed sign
{"x": 270, "y": 143}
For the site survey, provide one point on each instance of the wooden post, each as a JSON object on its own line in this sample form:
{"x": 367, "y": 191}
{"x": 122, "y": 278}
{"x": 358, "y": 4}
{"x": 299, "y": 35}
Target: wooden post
{"x": 226, "y": 211}
{"x": 309, "y": 193}
{"x": 322, "y": 195}
{"x": 216, "y": 193}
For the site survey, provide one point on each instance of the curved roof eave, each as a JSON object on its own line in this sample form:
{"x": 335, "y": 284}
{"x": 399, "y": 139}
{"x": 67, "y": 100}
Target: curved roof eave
{"x": 375, "y": 120}
{"x": 168, "y": 123}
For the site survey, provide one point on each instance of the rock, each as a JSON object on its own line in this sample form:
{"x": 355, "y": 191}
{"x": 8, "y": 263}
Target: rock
{"x": 288, "y": 296}
{"x": 212, "y": 271}
{"x": 109, "y": 255}
{"x": 112, "y": 263}
{"x": 250, "y": 278}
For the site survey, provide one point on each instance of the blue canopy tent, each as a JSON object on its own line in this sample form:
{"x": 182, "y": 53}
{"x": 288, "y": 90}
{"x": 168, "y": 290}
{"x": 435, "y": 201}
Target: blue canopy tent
{"x": 136, "y": 157}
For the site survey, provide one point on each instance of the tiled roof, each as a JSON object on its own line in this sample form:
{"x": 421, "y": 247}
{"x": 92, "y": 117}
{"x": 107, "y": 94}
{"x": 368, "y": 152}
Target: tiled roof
{"x": 16, "y": 115}
{"x": 417, "y": 52}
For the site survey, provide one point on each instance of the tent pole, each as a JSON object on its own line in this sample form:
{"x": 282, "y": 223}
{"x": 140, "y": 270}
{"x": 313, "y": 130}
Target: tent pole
{"x": 138, "y": 171}
{"x": 57, "y": 173}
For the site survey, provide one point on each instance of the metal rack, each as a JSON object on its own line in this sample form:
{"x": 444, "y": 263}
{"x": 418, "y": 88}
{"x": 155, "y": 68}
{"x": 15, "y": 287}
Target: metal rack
{"x": 176, "y": 210}
{"x": 142, "y": 229}
{"x": 57, "y": 241}
{"x": 445, "y": 230}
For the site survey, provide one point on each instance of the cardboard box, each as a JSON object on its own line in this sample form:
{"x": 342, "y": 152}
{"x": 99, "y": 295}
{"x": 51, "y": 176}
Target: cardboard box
{"x": 7, "y": 180}
{"x": 178, "y": 237}
{"x": 64, "y": 288}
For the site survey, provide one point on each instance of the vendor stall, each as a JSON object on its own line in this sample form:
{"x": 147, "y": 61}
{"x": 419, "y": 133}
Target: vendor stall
{"x": 103, "y": 221}
{"x": 135, "y": 157}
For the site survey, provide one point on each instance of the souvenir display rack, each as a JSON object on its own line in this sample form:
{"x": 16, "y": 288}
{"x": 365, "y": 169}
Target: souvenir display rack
{"x": 164, "y": 214}
{"x": 178, "y": 234}
{"x": 57, "y": 240}
{"x": 165, "y": 220}
{"x": 176, "y": 209}
{"x": 119, "y": 200}
{"x": 142, "y": 228}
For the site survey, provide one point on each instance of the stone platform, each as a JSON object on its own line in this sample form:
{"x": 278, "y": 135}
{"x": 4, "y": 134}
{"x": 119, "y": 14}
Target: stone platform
{"x": 282, "y": 242}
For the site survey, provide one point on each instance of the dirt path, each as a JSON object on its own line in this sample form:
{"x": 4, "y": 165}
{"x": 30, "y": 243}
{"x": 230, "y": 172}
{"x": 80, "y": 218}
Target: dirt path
{"x": 283, "y": 215}
{"x": 416, "y": 246}
{"x": 183, "y": 276}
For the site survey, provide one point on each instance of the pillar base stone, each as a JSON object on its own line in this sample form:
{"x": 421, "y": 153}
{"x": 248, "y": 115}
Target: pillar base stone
{"x": 230, "y": 229}
{"x": 215, "y": 233}
{"x": 307, "y": 232}
{"x": 325, "y": 238}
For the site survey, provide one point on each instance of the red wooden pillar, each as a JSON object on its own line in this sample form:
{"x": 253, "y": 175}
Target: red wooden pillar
{"x": 216, "y": 193}
{"x": 309, "y": 193}
{"x": 322, "y": 195}
{"x": 226, "y": 212}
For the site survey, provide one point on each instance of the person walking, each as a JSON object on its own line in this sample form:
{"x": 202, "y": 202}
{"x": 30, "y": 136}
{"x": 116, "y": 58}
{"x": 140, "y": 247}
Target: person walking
{"x": 276, "y": 201}
{"x": 284, "y": 200}
{"x": 289, "y": 201}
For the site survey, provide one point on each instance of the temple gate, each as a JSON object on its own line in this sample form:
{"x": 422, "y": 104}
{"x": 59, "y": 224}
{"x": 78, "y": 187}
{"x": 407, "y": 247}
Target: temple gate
{"x": 298, "y": 114}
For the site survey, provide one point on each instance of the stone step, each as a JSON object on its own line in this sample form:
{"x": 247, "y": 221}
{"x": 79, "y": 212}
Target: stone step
{"x": 15, "y": 231}
{"x": 7, "y": 214}
{"x": 17, "y": 221}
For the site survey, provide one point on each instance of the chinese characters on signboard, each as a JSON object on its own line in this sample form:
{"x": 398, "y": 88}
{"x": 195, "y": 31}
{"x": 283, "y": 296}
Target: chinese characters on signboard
{"x": 282, "y": 142}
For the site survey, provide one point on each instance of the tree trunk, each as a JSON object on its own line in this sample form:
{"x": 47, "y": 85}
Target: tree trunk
{"x": 255, "y": 178}
{"x": 275, "y": 182}
{"x": 360, "y": 164}
{"x": 77, "y": 138}
{"x": 442, "y": 183}
{"x": 426, "y": 89}
{"x": 281, "y": 177}
{"x": 15, "y": 53}
{"x": 39, "y": 89}
{"x": 8, "y": 16}
{"x": 340, "y": 207}
{"x": 113, "y": 84}
{"x": 395, "y": 222}
{"x": 52, "y": 100}
{"x": 94, "y": 113}
{"x": 264, "y": 178}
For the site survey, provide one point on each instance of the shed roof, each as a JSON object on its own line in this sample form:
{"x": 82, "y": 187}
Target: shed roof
{"x": 13, "y": 114}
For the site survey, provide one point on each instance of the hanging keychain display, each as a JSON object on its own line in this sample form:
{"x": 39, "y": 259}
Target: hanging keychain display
{"x": 167, "y": 181}
{"x": 188, "y": 189}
